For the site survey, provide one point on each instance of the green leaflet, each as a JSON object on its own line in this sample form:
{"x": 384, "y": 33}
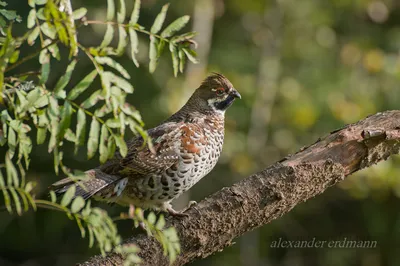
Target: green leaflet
{"x": 104, "y": 136}
{"x": 105, "y": 60}
{"x": 121, "y": 144}
{"x": 135, "y": 13}
{"x": 68, "y": 196}
{"x": 64, "y": 80}
{"x": 159, "y": 21}
{"x": 82, "y": 85}
{"x": 175, "y": 26}
{"x": 80, "y": 129}
{"x": 93, "y": 142}
{"x": 134, "y": 45}
{"x": 79, "y": 13}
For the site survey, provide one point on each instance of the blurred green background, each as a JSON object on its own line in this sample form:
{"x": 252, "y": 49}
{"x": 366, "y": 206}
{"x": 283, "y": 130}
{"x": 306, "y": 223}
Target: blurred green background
{"x": 304, "y": 68}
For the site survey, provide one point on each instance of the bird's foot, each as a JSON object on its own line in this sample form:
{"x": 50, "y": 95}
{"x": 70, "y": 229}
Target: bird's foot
{"x": 182, "y": 213}
{"x": 167, "y": 207}
{"x": 172, "y": 212}
{"x": 190, "y": 205}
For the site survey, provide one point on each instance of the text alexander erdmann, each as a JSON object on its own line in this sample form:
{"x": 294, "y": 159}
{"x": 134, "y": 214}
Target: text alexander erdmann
{"x": 315, "y": 243}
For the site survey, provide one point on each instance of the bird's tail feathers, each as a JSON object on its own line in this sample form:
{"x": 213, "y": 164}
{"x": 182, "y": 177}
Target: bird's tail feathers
{"x": 94, "y": 182}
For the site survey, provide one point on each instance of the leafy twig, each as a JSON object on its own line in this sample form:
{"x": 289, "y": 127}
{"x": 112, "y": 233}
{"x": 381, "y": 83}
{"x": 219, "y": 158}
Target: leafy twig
{"x": 28, "y": 57}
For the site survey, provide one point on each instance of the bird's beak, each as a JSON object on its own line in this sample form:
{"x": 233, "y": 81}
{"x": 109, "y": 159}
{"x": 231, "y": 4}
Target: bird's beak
{"x": 235, "y": 94}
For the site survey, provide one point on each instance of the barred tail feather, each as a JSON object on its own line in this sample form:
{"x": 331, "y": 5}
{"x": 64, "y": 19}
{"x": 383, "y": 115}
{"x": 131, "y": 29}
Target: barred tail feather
{"x": 97, "y": 181}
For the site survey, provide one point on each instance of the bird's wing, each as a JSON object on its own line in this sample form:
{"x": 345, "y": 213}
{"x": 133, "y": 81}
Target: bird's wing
{"x": 140, "y": 160}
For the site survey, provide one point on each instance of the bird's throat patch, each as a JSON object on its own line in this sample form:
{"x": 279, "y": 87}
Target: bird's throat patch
{"x": 223, "y": 105}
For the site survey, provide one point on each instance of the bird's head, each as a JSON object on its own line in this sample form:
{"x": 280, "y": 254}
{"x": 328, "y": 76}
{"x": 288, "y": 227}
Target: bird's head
{"x": 216, "y": 93}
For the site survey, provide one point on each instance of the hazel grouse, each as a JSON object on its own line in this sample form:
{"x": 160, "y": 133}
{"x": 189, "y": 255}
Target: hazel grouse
{"x": 186, "y": 147}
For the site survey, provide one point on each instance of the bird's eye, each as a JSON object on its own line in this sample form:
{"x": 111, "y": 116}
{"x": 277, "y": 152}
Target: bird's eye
{"x": 220, "y": 91}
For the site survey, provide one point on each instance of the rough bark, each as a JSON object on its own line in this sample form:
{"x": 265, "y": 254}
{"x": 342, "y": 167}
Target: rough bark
{"x": 258, "y": 199}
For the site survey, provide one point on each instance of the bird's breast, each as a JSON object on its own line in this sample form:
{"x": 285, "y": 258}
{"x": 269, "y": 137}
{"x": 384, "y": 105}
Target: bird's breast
{"x": 198, "y": 149}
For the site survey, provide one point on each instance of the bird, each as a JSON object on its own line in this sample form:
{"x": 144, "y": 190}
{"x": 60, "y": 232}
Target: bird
{"x": 185, "y": 148}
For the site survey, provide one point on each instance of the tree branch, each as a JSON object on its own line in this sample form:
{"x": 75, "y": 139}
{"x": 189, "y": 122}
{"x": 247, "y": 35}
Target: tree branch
{"x": 269, "y": 194}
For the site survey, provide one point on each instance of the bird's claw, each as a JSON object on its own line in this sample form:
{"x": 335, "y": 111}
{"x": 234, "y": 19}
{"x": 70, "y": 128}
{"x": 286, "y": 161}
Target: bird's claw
{"x": 172, "y": 212}
{"x": 191, "y": 204}
{"x": 182, "y": 213}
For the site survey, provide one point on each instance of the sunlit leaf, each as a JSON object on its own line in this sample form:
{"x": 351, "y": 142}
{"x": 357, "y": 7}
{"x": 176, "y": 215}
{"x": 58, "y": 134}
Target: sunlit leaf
{"x": 159, "y": 21}
{"x": 40, "y": 2}
{"x": 81, "y": 228}
{"x": 112, "y": 63}
{"x": 92, "y": 100}
{"x": 135, "y": 13}
{"x": 82, "y": 85}
{"x": 12, "y": 174}
{"x": 31, "y": 98}
{"x": 122, "y": 12}
{"x": 64, "y": 80}
{"x": 108, "y": 36}
{"x": 45, "y": 71}
{"x": 184, "y": 37}
{"x": 29, "y": 186}
{"x": 104, "y": 110}
{"x": 191, "y": 55}
{"x": 175, "y": 26}
{"x": 122, "y": 118}
{"x": 14, "y": 57}
{"x": 40, "y": 14}
{"x": 111, "y": 147}
{"x": 68, "y": 196}
{"x": 53, "y": 196}
{"x": 91, "y": 237}
{"x": 121, "y": 144}
{"x": 12, "y": 142}
{"x": 151, "y": 218}
{"x": 44, "y": 56}
{"x": 122, "y": 40}
{"x": 22, "y": 195}
{"x": 65, "y": 119}
{"x": 77, "y": 204}
{"x": 175, "y": 59}
{"x": 41, "y": 135}
{"x": 79, "y": 13}
{"x": 7, "y": 198}
{"x": 70, "y": 136}
{"x": 110, "y": 10}
{"x": 80, "y": 128}
{"x": 17, "y": 202}
{"x": 93, "y": 142}
{"x": 153, "y": 54}
{"x": 31, "y": 19}
{"x": 134, "y": 45}
{"x": 113, "y": 123}
{"x": 55, "y": 52}
{"x": 182, "y": 60}
{"x": 42, "y": 101}
{"x": 53, "y": 113}
{"x": 103, "y": 144}
{"x": 118, "y": 81}
{"x": 160, "y": 223}
{"x": 57, "y": 158}
{"x": 33, "y": 35}
{"x": 49, "y": 30}
{"x": 9, "y": 14}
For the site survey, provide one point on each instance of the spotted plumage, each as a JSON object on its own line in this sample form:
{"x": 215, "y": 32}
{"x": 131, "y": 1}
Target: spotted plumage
{"x": 186, "y": 147}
